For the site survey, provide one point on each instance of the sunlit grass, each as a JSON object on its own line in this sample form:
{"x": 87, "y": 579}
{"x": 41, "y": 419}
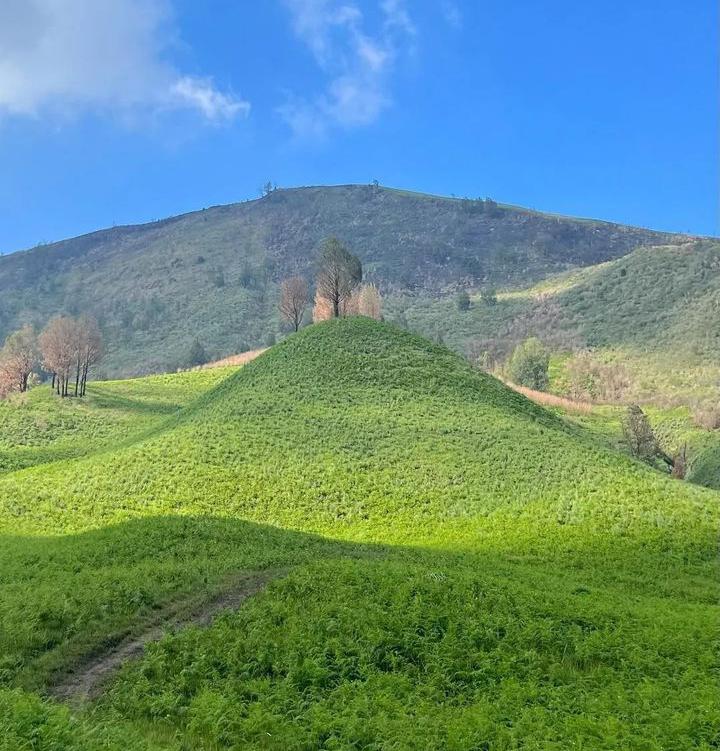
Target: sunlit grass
{"x": 468, "y": 569}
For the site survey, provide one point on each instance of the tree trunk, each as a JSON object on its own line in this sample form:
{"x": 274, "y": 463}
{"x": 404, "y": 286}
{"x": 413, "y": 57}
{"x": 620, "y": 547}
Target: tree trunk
{"x": 53, "y": 382}
{"x": 77, "y": 378}
{"x": 83, "y": 383}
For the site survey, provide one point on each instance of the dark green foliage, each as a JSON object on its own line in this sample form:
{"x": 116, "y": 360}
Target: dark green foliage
{"x": 528, "y": 365}
{"x": 705, "y": 469}
{"x": 197, "y": 354}
{"x": 462, "y": 301}
{"x": 488, "y": 296}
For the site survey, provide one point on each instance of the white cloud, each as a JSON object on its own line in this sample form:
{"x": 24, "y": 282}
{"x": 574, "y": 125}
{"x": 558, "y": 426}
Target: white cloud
{"x": 86, "y": 55}
{"x": 358, "y": 64}
{"x": 200, "y": 93}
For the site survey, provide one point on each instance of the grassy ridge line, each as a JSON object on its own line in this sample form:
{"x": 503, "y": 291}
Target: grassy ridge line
{"x": 525, "y": 586}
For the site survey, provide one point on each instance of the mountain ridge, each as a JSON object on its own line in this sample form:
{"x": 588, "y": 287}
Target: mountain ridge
{"x": 213, "y": 274}
{"x": 132, "y": 226}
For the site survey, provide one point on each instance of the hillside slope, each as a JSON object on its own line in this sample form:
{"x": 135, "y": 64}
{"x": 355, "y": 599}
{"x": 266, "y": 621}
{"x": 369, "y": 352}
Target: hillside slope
{"x": 214, "y": 273}
{"x": 467, "y": 571}
{"x": 656, "y": 310}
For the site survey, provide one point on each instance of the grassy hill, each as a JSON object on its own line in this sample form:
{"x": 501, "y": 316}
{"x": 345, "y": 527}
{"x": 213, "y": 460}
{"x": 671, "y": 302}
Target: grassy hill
{"x": 454, "y": 567}
{"x": 213, "y": 274}
{"x": 655, "y": 310}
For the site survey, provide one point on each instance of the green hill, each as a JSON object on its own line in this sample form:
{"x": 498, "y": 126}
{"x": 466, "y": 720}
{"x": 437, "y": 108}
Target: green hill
{"x": 655, "y": 310}
{"x": 213, "y": 274}
{"x": 454, "y": 568}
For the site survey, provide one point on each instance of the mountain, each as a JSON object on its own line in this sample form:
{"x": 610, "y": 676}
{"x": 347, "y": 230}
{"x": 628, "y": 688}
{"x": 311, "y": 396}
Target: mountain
{"x": 661, "y": 298}
{"x": 213, "y": 274}
{"x": 434, "y": 562}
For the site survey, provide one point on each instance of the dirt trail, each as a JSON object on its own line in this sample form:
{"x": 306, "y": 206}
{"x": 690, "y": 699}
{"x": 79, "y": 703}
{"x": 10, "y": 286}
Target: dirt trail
{"x": 86, "y": 680}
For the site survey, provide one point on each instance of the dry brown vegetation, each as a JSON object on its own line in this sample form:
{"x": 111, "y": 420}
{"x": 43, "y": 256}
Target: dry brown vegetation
{"x": 240, "y": 359}
{"x": 551, "y": 400}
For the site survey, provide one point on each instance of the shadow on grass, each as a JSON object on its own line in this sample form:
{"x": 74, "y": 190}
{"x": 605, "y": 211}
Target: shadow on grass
{"x": 65, "y": 599}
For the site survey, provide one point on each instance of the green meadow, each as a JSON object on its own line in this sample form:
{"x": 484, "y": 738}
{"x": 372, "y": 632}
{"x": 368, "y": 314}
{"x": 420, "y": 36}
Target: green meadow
{"x": 450, "y": 566}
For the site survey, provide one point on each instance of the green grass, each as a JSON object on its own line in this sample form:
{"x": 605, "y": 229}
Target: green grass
{"x": 705, "y": 470}
{"x": 467, "y": 569}
{"x": 37, "y": 427}
{"x": 650, "y": 310}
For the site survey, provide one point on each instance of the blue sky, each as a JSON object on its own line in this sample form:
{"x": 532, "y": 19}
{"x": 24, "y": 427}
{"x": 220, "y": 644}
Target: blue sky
{"x": 123, "y": 111}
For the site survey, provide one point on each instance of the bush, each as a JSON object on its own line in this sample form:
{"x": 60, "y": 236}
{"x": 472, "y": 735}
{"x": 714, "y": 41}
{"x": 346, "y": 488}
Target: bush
{"x": 639, "y": 435}
{"x": 528, "y": 365}
{"x": 462, "y": 300}
{"x": 197, "y": 354}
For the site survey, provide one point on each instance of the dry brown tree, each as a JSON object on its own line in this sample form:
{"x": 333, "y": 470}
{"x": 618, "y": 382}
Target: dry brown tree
{"x": 58, "y": 345}
{"x": 19, "y": 357}
{"x": 293, "y": 300}
{"x": 322, "y": 309}
{"x": 370, "y": 302}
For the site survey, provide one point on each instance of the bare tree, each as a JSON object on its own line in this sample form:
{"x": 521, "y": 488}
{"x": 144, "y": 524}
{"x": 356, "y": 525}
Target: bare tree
{"x": 339, "y": 274}
{"x": 58, "y": 345}
{"x": 89, "y": 351}
{"x": 638, "y": 434}
{"x": 680, "y": 463}
{"x": 19, "y": 357}
{"x": 293, "y": 300}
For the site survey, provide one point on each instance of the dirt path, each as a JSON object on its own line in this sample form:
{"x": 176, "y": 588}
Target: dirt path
{"x": 86, "y": 680}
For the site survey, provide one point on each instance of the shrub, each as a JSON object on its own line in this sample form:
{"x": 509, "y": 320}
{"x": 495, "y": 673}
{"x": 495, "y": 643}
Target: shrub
{"x": 638, "y": 434}
{"x": 462, "y": 300}
{"x": 707, "y": 416}
{"x": 528, "y": 365}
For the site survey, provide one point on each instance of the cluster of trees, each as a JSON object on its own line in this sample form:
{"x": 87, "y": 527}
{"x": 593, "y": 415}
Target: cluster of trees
{"x": 338, "y": 289}
{"x": 67, "y": 348}
{"x": 488, "y": 296}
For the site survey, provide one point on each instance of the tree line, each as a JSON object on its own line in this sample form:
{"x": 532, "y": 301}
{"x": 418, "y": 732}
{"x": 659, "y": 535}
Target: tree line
{"x": 339, "y": 290}
{"x": 66, "y": 349}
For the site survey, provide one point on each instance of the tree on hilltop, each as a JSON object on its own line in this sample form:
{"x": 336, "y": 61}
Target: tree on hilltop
{"x": 339, "y": 273}
{"x": 293, "y": 300}
{"x": 370, "y": 302}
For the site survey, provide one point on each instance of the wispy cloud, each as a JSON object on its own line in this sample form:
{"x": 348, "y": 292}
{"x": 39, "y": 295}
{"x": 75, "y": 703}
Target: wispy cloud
{"x": 452, "y": 14}
{"x": 357, "y": 63}
{"x": 72, "y": 56}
